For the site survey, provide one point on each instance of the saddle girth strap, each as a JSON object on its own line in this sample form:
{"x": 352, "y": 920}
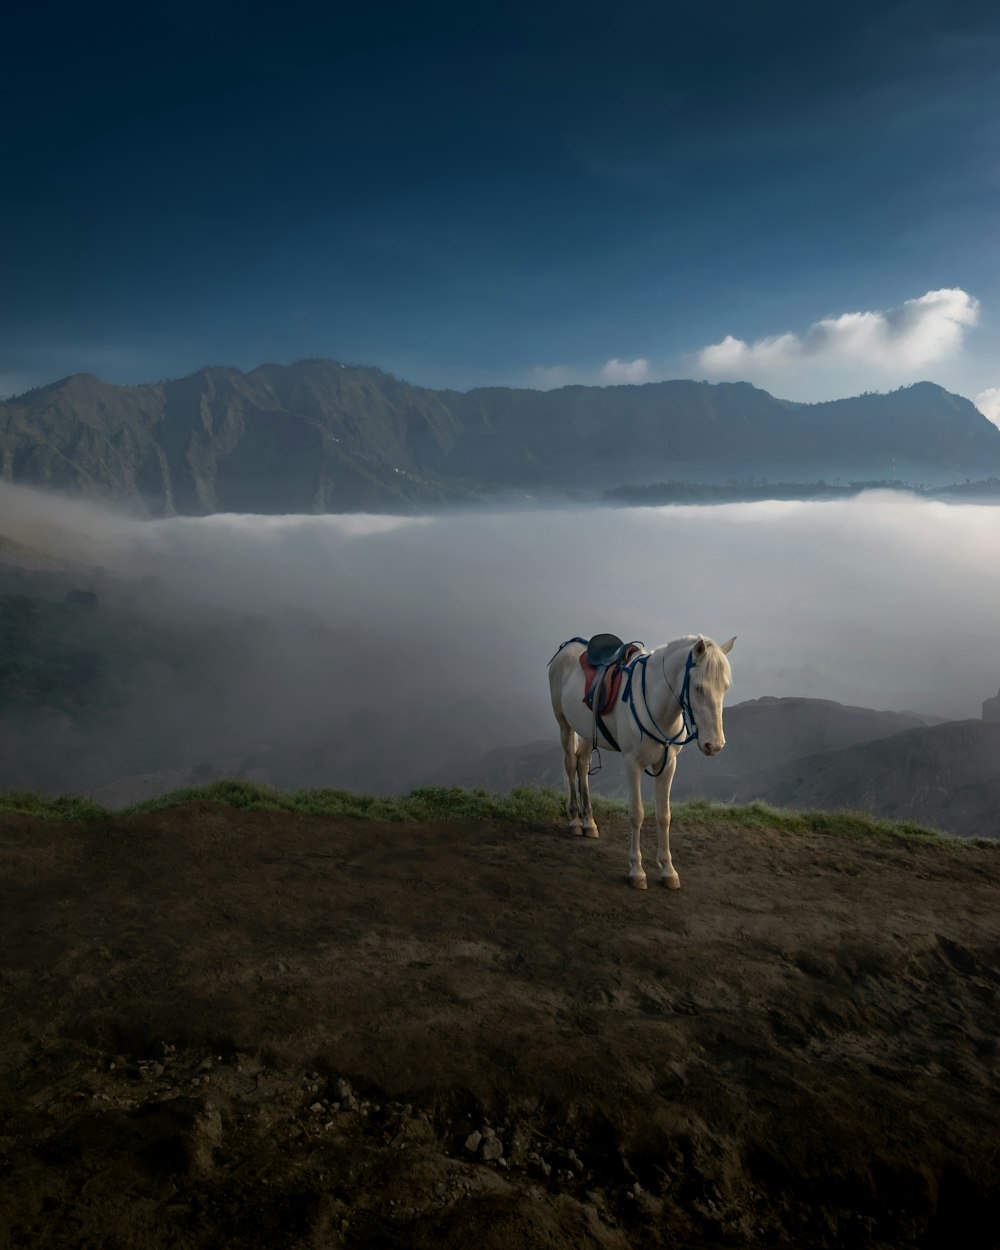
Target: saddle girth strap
{"x": 599, "y": 724}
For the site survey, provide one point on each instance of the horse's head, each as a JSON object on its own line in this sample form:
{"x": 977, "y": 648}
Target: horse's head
{"x": 710, "y": 679}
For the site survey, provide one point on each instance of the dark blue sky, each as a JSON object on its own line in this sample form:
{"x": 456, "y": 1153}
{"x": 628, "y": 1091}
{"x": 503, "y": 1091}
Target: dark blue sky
{"x": 516, "y": 196}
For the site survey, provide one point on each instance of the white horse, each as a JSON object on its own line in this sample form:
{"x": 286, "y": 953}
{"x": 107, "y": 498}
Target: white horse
{"x": 671, "y": 695}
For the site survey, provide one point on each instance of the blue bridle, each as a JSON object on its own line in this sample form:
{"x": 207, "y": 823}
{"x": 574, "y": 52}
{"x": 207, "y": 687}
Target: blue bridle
{"x": 688, "y": 731}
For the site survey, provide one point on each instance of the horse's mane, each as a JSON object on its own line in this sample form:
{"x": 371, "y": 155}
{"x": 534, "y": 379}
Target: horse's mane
{"x": 716, "y": 661}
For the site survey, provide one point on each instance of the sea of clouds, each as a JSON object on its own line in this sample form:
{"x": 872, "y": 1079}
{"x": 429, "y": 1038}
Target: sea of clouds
{"x": 444, "y": 624}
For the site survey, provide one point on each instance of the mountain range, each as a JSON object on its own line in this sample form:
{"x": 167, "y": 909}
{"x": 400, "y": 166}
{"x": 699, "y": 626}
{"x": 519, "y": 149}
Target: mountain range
{"x": 810, "y": 753}
{"x": 318, "y": 436}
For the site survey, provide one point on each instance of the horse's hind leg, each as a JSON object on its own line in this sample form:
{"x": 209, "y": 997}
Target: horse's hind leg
{"x": 584, "y": 754}
{"x": 568, "y": 738}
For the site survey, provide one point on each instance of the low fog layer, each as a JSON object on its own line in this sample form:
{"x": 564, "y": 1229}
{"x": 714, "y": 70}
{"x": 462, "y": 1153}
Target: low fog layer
{"x": 371, "y": 652}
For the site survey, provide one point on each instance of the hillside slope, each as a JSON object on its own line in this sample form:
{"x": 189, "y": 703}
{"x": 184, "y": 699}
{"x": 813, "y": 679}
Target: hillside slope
{"x": 947, "y": 776}
{"x": 315, "y": 437}
{"x": 763, "y": 737}
{"x": 235, "y": 1027}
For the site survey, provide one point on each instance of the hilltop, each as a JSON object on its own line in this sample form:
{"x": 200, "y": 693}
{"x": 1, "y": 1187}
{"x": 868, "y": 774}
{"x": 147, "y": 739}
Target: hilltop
{"x": 319, "y": 436}
{"x": 451, "y": 1022}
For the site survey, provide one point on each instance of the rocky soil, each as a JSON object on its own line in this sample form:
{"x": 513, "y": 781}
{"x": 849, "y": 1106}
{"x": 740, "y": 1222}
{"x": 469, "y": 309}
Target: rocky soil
{"x": 249, "y": 1029}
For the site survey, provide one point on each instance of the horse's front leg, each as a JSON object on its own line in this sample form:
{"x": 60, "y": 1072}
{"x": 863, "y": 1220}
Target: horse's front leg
{"x": 633, "y": 773}
{"x": 668, "y": 875}
{"x": 584, "y": 754}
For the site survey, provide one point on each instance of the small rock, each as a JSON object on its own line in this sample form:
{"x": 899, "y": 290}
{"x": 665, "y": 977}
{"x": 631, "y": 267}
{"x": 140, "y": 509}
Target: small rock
{"x": 472, "y": 1142}
{"x": 316, "y": 1108}
{"x": 491, "y": 1148}
{"x": 206, "y": 1065}
{"x": 518, "y": 1142}
{"x": 349, "y": 1103}
{"x": 344, "y": 1088}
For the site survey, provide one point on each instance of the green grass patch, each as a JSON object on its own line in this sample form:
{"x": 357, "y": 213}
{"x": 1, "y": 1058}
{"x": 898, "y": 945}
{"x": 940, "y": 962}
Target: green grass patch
{"x": 524, "y": 806}
{"x": 63, "y": 807}
{"x": 844, "y": 823}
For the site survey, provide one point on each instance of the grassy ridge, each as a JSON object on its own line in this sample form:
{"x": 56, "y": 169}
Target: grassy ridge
{"x": 523, "y": 806}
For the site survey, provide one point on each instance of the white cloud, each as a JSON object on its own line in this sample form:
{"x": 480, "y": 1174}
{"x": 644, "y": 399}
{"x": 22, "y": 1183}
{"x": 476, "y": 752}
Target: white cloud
{"x": 988, "y": 403}
{"x": 625, "y": 370}
{"x": 613, "y": 372}
{"x": 889, "y": 346}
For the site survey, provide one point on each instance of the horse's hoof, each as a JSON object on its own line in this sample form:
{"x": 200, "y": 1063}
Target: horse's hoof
{"x": 590, "y": 831}
{"x": 576, "y": 829}
{"x": 672, "y": 883}
{"x": 637, "y": 883}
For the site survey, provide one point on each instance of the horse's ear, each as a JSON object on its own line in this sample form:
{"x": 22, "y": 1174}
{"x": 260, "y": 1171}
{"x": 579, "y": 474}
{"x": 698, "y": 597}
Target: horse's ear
{"x": 728, "y": 646}
{"x": 699, "y": 648}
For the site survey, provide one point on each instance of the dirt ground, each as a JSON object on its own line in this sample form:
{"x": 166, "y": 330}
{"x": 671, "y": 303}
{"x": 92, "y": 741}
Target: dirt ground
{"x": 232, "y": 1029}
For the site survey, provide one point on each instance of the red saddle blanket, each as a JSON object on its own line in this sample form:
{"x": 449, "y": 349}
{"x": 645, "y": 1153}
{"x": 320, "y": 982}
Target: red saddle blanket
{"x": 612, "y": 684}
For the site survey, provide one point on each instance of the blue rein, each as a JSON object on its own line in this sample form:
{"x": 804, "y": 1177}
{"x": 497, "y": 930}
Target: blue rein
{"x": 688, "y": 731}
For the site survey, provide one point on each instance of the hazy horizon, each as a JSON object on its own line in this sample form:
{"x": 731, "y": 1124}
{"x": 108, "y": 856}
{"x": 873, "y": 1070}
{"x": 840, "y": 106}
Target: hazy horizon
{"x": 410, "y": 640}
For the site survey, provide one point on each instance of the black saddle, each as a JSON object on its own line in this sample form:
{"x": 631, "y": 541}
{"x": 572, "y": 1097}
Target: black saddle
{"x": 606, "y": 650}
{"x": 605, "y": 653}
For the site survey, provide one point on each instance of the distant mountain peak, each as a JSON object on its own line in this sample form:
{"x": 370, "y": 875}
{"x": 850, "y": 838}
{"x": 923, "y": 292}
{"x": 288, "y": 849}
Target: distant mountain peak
{"x": 320, "y": 435}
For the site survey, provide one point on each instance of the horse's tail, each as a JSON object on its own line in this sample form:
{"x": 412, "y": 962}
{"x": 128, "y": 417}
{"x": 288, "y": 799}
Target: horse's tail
{"x": 582, "y": 641}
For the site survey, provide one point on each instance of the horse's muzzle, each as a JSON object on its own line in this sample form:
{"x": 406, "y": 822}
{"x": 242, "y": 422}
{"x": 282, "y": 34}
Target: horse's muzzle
{"x": 710, "y": 748}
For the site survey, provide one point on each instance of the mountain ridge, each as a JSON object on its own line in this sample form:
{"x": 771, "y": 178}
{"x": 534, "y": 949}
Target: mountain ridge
{"x": 321, "y": 436}
{"x": 810, "y": 754}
